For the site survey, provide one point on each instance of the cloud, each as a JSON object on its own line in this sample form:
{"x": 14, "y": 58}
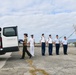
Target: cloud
{"x": 39, "y": 16}
{"x": 61, "y": 24}
{"x": 10, "y": 7}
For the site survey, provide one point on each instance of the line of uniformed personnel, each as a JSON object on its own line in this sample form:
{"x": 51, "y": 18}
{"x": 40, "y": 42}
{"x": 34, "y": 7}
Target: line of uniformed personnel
{"x": 50, "y": 43}
{"x": 43, "y": 45}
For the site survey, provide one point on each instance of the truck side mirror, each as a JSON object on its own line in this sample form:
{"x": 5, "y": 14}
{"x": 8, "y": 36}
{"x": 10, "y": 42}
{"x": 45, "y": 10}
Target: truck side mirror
{"x": 0, "y": 29}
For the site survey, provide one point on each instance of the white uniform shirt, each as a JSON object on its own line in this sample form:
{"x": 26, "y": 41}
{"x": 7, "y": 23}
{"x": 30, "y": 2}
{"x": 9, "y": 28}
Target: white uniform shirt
{"x": 42, "y": 39}
{"x": 57, "y": 41}
{"x": 64, "y": 42}
{"x": 49, "y": 40}
{"x": 32, "y": 41}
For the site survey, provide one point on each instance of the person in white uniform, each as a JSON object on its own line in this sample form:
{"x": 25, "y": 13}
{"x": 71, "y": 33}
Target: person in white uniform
{"x": 50, "y": 44}
{"x": 43, "y": 44}
{"x": 57, "y": 44}
{"x": 65, "y": 45}
{"x": 32, "y": 43}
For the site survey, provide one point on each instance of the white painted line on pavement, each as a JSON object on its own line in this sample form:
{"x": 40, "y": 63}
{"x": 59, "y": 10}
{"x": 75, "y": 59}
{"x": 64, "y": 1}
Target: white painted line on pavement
{"x": 3, "y": 59}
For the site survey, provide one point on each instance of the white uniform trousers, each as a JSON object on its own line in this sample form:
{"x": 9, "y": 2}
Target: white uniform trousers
{"x": 32, "y": 50}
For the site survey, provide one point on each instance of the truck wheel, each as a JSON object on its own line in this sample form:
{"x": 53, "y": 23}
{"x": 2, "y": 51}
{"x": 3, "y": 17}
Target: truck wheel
{"x": 1, "y": 53}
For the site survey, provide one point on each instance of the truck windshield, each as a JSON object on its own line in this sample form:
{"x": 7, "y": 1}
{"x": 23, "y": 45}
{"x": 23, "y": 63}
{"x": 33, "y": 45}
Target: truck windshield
{"x": 0, "y": 40}
{"x": 0, "y": 29}
{"x": 0, "y": 34}
{"x": 9, "y": 31}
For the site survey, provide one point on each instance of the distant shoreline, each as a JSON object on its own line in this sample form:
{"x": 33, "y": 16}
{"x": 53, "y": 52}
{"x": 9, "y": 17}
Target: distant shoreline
{"x": 39, "y": 45}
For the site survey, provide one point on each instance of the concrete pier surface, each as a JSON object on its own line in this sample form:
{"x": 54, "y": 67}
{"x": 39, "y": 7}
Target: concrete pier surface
{"x": 41, "y": 65}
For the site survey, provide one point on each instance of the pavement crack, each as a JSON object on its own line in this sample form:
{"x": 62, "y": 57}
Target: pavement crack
{"x": 34, "y": 70}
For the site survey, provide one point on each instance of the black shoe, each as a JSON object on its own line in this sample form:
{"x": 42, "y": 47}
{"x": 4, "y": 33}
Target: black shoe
{"x": 50, "y": 54}
{"x": 21, "y": 58}
{"x": 43, "y": 55}
{"x": 30, "y": 57}
{"x": 57, "y": 54}
{"x": 66, "y": 54}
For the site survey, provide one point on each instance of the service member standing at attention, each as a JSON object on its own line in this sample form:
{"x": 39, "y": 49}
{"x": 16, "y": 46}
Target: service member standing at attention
{"x": 65, "y": 45}
{"x": 25, "y": 47}
{"x": 57, "y": 44}
{"x": 43, "y": 44}
{"x": 50, "y": 45}
{"x": 32, "y": 43}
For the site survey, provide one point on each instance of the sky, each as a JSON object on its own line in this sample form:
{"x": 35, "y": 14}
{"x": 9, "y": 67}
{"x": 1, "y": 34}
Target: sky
{"x": 40, "y": 16}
